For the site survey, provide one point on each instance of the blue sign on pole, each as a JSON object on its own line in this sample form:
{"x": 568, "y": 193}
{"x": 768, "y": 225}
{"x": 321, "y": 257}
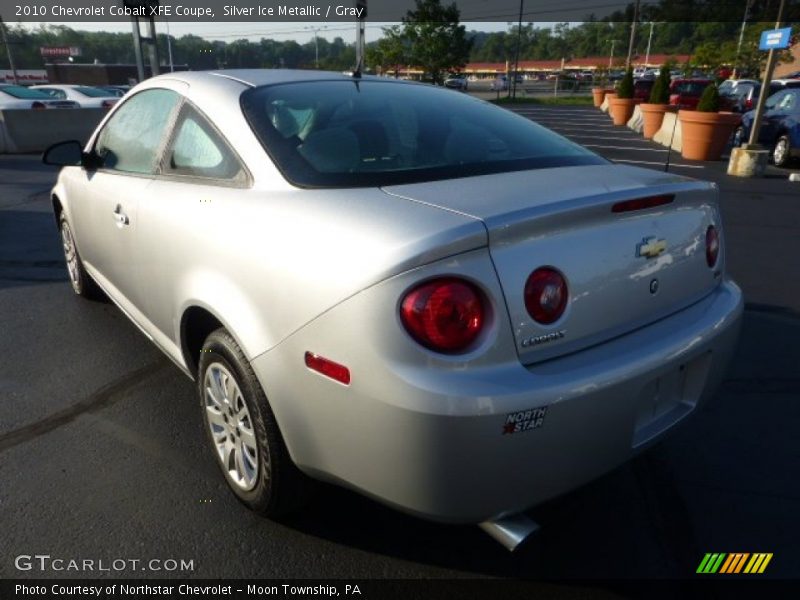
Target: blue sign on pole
{"x": 775, "y": 39}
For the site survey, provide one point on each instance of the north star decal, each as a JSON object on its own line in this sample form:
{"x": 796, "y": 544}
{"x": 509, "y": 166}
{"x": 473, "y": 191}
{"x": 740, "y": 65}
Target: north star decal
{"x": 524, "y": 420}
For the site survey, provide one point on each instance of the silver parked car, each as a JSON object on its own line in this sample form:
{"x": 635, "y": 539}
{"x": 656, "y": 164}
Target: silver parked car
{"x": 408, "y": 292}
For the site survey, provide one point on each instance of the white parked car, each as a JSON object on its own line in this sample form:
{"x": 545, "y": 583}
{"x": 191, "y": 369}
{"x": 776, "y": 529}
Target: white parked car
{"x": 86, "y": 96}
{"x": 20, "y": 97}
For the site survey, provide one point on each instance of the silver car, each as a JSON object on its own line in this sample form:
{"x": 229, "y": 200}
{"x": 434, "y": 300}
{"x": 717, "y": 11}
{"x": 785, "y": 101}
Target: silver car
{"x": 394, "y": 288}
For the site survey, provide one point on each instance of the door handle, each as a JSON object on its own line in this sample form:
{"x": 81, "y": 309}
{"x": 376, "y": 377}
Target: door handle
{"x": 120, "y": 217}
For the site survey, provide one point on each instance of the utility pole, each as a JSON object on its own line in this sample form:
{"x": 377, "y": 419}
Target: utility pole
{"x": 633, "y": 34}
{"x": 8, "y": 51}
{"x": 762, "y": 96}
{"x": 741, "y": 38}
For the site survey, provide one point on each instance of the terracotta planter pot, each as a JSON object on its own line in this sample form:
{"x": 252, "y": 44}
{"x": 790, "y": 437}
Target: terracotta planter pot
{"x": 621, "y": 109}
{"x": 704, "y": 135}
{"x": 598, "y": 95}
{"x": 652, "y": 116}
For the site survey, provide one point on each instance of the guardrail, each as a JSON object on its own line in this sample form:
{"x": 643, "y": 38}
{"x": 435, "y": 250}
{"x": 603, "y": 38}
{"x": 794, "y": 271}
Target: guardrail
{"x": 24, "y": 131}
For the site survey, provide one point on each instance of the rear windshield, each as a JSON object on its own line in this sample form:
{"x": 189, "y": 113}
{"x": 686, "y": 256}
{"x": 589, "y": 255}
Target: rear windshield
{"x": 690, "y": 88}
{"x": 92, "y": 92}
{"x": 17, "y": 91}
{"x": 373, "y": 133}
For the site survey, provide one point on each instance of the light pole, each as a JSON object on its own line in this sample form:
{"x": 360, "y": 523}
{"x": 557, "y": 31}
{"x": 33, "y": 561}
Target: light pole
{"x": 649, "y": 41}
{"x": 316, "y": 44}
{"x": 169, "y": 49}
{"x": 633, "y": 34}
{"x": 741, "y": 38}
{"x": 611, "y": 57}
{"x": 516, "y": 57}
{"x": 8, "y": 51}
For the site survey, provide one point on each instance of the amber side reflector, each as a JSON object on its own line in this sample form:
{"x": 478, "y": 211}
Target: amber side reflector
{"x": 642, "y": 203}
{"x": 335, "y": 371}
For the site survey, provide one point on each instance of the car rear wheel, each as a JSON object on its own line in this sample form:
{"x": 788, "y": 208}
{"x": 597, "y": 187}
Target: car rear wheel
{"x": 738, "y": 137}
{"x": 781, "y": 152}
{"x": 82, "y": 283}
{"x": 242, "y": 432}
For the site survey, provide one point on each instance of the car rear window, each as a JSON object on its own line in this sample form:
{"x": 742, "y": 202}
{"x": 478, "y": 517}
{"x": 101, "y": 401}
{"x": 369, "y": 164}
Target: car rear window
{"x": 360, "y": 133}
{"x": 92, "y": 92}
{"x": 690, "y": 88}
{"x": 18, "y": 91}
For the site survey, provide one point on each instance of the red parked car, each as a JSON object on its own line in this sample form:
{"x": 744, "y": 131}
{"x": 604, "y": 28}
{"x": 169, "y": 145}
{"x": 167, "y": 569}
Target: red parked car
{"x": 685, "y": 93}
{"x": 642, "y": 89}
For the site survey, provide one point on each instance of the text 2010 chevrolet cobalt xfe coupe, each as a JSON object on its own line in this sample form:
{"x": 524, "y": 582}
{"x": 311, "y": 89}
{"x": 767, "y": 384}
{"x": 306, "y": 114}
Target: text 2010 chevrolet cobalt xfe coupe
{"x": 396, "y": 288}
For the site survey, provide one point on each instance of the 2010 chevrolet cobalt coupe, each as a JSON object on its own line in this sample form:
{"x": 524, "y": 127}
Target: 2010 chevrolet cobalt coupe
{"x": 398, "y": 289}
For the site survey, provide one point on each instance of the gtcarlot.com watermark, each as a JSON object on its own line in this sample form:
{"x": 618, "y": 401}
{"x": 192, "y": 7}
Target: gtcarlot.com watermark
{"x": 45, "y": 563}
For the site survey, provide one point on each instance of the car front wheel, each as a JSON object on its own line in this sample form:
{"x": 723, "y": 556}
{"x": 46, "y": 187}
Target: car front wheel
{"x": 781, "y": 152}
{"x": 82, "y": 283}
{"x": 242, "y": 432}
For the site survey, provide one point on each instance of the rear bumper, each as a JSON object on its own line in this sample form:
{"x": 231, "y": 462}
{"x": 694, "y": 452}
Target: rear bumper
{"x": 476, "y": 444}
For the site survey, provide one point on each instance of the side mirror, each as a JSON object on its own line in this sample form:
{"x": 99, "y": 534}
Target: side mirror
{"x": 64, "y": 154}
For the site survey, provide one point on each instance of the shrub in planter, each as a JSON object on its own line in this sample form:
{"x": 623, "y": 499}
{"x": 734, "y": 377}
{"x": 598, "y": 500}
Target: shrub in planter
{"x": 621, "y": 107}
{"x": 653, "y": 111}
{"x": 705, "y": 131}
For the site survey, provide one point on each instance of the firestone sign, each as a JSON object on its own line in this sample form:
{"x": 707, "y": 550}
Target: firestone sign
{"x": 60, "y": 51}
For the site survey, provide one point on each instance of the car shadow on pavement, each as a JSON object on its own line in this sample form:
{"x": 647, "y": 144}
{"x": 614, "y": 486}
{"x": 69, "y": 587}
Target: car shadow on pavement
{"x": 30, "y": 249}
{"x": 721, "y": 483}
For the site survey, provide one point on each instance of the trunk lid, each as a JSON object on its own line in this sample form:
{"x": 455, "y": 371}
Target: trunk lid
{"x": 562, "y": 218}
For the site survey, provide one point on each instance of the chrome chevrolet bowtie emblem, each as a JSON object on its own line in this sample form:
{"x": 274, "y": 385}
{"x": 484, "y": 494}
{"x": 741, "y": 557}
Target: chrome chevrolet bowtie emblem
{"x": 651, "y": 247}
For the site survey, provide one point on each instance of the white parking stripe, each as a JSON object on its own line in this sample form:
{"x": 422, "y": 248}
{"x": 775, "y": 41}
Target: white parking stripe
{"x": 625, "y": 148}
{"x": 606, "y": 137}
{"x": 647, "y": 162}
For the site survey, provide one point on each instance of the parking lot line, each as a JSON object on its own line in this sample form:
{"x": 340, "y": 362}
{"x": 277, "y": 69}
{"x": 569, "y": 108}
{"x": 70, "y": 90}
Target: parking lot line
{"x": 589, "y": 136}
{"x": 625, "y": 148}
{"x": 649, "y": 162}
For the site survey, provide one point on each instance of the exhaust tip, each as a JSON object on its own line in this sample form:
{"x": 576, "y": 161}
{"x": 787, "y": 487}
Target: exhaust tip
{"x": 511, "y": 530}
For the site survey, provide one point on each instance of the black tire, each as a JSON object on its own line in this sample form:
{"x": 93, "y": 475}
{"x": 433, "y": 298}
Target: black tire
{"x": 82, "y": 283}
{"x": 279, "y": 487}
{"x": 781, "y": 158}
{"x": 738, "y": 137}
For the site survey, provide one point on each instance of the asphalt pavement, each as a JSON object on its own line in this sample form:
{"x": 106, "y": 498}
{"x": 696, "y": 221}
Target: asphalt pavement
{"x": 102, "y": 454}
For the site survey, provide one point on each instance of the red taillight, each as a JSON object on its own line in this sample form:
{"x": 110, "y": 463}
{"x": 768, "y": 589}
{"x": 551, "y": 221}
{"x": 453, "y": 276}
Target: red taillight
{"x": 335, "y": 371}
{"x": 38, "y": 106}
{"x": 546, "y": 295}
{"x": 642, "y": 203}
{"x": 445, "y": 315}
{"x": 712, "y": 246}
{"x": 748, "y": 104}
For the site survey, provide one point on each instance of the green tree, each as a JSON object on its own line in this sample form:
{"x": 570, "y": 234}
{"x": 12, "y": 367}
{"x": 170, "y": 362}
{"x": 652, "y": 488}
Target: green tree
{"x": 625, "y": 89}
{"x": 660, "y": 92}
{"x": 437, "y": 42}
{"x": 391, "y": 52}
{"x": 709, "y": 101}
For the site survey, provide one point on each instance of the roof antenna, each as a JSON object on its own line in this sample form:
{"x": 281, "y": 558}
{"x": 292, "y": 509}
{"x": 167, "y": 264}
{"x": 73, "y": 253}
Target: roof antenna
{"x": 671, "y": 139}
{"x": 361, "y": 8}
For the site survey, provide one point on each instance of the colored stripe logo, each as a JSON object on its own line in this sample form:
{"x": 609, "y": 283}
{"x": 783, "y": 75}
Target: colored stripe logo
{"x": 734, "y": 563}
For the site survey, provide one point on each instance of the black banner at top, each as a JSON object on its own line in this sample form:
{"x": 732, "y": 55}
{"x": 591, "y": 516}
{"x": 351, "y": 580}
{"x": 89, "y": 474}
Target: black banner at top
{"x": 259, "y": 11}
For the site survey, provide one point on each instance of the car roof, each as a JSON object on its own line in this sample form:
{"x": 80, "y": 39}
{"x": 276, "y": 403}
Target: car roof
{"x": 259, "y": 77}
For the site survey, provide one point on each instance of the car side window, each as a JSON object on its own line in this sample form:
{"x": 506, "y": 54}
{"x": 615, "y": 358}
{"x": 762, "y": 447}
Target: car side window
{"x": 131, "y": 139}
{"x": 197, "y": 150}
{"x": 55, "y": 93}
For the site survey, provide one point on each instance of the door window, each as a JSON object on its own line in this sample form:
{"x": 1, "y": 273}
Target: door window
{"x": 131, "y": 139}
{"x": 199, "y": 151}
